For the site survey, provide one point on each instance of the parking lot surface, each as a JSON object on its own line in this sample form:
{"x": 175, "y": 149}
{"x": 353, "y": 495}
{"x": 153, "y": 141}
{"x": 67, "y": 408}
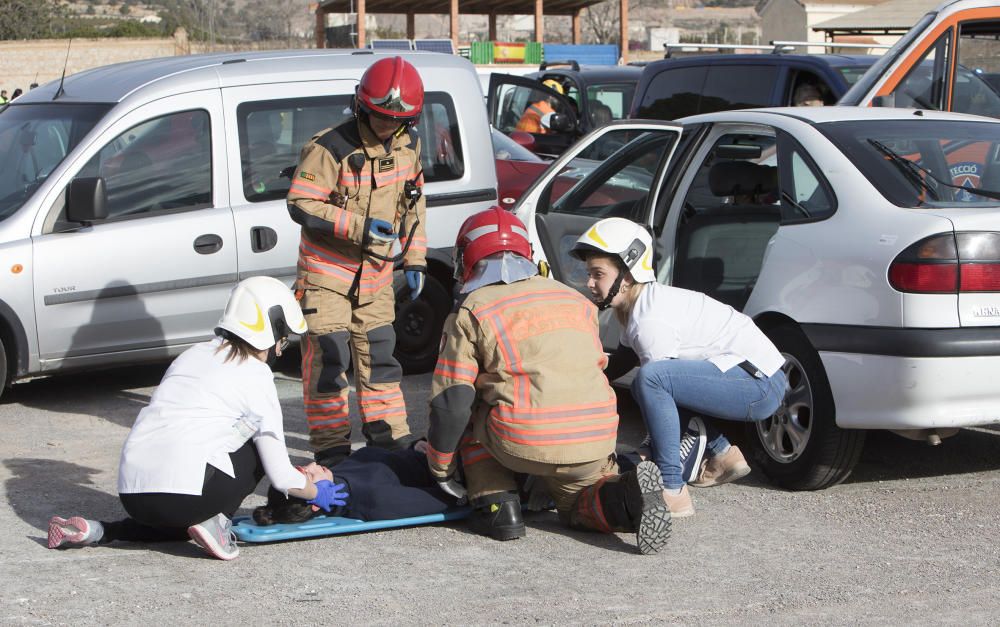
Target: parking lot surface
{"x": 910, "y": 538}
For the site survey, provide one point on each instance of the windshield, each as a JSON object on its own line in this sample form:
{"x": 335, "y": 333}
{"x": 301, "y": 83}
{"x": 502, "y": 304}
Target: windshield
{"x": 952, "y": 159}
{"x": 34, "y": 139}
{"x": 859, "y": 89}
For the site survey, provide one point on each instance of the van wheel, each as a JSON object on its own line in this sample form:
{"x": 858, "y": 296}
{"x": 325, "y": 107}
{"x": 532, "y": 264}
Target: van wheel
{"x": 418, "y": 324}
{"x": 801, "y": 447}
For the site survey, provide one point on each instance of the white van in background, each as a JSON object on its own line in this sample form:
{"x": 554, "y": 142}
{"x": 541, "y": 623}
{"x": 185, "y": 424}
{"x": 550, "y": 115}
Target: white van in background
{"x": 193, "y": 155}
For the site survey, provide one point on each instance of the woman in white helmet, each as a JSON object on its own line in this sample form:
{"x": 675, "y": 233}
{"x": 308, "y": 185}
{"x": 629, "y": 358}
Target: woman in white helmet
{"x": 693, "y": 352}
{"x": 211, "y": 431}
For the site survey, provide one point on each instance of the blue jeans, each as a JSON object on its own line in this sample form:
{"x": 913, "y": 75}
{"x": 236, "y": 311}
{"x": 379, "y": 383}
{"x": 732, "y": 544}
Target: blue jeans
{"x": 660, "y": 386}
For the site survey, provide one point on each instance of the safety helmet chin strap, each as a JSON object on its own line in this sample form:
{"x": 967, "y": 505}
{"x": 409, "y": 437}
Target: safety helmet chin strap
{"x": 615, "y": 288}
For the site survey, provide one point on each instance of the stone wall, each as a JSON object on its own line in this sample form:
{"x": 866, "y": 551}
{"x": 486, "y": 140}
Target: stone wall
{"x": 41, "y": 60}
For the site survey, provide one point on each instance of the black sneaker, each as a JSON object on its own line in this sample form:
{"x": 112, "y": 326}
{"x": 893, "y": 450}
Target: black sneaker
{"x": 650, "y": 513}
{"x": 693, "y": 443}
{"x": 498, "y": 516}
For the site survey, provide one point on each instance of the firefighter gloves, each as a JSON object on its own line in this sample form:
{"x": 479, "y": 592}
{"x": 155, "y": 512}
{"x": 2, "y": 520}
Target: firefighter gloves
{"x": 415, "y": 280}
{"x": 378, "y": 231}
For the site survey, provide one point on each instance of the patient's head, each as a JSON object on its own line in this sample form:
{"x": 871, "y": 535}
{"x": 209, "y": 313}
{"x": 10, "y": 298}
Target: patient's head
{"x": 289, "y": 509}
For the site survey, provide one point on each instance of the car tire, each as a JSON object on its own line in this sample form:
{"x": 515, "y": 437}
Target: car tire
{"x": 801, "y": 447}
{"x": 418, "y": 324}
{"x": 3, "y": 368}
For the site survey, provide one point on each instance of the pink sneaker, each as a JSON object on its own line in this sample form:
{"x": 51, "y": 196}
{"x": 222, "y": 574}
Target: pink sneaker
{"x": 75, "y": 531}
{"x": 216, "y": 537}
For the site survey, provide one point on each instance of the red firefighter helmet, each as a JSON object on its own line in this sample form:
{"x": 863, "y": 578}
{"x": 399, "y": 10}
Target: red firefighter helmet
{"x": 392, "y": 87}
{"x": 485, "y": 233}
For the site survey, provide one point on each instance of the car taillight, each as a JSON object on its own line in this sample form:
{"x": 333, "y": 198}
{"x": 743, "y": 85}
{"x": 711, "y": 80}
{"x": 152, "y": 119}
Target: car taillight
{"x": 949, "y": 263}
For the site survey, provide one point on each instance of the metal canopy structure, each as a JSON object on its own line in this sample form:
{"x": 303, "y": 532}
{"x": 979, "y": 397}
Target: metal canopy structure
{"x": 893, "y": 17}
{"x": 491, "y": 8}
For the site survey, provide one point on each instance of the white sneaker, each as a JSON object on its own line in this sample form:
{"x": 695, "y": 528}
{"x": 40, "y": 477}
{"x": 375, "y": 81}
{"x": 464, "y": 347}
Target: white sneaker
{"x": 216, "y": 537}
{"x": 75, "y": 531}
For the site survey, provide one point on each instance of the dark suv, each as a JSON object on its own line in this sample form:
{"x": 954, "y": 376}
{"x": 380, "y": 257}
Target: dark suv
{"x": 581, "y": 98}
{"x": 674, "y": 88}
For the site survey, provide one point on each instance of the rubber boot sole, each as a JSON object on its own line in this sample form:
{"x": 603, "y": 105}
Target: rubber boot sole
{"x": 653, "y": 528}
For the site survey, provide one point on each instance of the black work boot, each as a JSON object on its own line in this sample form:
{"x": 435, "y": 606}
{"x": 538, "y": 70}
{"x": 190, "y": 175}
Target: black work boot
{"x": 330, "y": 457}
{"x": 497, "y": 516}
{"x": 649, "y": 512}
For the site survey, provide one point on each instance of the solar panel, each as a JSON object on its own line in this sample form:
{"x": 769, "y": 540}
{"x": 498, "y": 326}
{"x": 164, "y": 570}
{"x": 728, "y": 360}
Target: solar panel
{"x": 435, "y": 45}
{"x": 390, "y": 44}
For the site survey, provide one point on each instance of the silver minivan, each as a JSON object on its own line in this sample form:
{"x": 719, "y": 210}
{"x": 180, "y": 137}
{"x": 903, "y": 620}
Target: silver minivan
{"x": 133, "y": 197}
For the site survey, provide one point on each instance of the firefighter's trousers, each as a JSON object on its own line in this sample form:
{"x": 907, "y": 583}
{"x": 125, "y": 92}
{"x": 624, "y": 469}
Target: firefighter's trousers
{"x": 342, "y": 332}
{"x": 575, "y": 488}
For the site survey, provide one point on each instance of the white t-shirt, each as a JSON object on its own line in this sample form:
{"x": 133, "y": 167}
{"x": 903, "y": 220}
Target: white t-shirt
{"x": 673, "y": 323}
{"x": 204, "y": 409}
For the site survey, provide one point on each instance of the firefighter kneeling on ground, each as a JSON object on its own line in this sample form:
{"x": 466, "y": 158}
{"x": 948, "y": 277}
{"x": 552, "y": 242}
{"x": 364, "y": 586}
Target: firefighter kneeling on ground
{"x": 356, "y": 190}
{"x": 522, "y": 361}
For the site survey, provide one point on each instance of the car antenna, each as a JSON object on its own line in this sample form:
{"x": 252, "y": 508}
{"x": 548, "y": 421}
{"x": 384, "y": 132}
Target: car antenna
{"x": 60, "y": 91}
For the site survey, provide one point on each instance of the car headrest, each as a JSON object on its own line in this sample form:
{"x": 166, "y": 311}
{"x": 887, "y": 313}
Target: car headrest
{"x": 732, "y": 178}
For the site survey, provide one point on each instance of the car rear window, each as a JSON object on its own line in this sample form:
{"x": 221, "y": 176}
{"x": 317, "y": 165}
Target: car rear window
{"x": 924, "y": 163}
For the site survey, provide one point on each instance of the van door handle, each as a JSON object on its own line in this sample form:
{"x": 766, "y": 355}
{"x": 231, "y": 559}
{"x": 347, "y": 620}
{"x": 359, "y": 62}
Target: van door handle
{"x": 207, "y": 244}
{"x": 263, "y": 238}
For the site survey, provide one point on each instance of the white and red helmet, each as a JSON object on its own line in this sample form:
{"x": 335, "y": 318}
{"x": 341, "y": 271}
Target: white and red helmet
{"x": 486, "y": 233}
{"x": 392, "y": 87}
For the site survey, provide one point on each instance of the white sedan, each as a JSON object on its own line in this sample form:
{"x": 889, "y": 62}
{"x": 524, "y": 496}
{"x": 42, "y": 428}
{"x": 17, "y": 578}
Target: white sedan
{"x": 864, "y": 242}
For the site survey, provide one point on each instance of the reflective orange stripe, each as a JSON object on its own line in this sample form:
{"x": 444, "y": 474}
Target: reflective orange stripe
{"x": 550, "y": 440}
{"x": 456, "y": 370}
{"x": 439, "y": 458}
{"x": 310, "y": 188}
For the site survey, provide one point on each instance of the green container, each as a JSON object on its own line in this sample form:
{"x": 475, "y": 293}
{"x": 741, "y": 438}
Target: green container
{"x": 481, "y": 52}
{"x": 533, "y": 53}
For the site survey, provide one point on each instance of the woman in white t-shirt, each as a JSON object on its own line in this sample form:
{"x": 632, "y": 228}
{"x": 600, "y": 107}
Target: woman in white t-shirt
{"x": 210, "y": 433}
{"x": 693, "y": 352}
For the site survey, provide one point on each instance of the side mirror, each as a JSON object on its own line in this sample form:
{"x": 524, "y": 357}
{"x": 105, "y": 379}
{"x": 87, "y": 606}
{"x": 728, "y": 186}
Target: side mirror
{"x": 86, "y": 200}
{"x": 524, "y": 139}
{"x": 561, "y": 123}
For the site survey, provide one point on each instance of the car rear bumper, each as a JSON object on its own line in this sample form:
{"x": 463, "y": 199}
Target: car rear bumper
{"x": 911, "y": 378}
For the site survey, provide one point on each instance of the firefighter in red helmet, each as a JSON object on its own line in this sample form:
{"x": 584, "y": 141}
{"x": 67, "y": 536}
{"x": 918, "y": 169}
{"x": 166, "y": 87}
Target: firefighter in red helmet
{"x": 519, "y": 387}
{"x": 357, "y": 191}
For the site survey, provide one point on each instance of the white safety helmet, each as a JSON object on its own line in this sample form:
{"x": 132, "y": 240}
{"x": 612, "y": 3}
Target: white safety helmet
{"x": 624, "y": 239}
{"x": 261, "y": 311}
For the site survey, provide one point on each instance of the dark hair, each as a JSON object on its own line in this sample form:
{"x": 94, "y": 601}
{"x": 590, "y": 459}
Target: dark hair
{"x": 283, "y": 509}
{"x": 239, "y": 349}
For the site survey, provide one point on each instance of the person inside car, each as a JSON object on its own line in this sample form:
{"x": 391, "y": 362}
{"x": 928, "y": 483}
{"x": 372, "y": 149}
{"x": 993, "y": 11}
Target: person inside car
{"x": 535, "y": 118}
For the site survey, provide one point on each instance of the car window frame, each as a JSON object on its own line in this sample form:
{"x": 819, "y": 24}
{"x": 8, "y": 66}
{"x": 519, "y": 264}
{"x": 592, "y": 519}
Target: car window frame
{"x": 786, "y": 146}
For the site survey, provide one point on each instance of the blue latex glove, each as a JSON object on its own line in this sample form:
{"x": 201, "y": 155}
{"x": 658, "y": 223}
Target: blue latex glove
{"x": 415, "y": 280}
{"x": 328, "y": 495}
{"x": 379, "y": 231}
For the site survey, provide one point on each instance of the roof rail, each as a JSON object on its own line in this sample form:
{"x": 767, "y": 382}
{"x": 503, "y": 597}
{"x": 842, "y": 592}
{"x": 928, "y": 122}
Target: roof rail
{"x": 826, "y": 44}
{"x": 670, "y": 48}
{"x": 547, "y": 64}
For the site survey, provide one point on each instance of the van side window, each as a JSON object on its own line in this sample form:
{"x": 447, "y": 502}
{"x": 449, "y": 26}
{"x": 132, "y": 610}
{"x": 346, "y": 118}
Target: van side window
{"x": 672, "y": 94}
{"x": 926, "y": 84}
{"x": 272, "y": 133}
{"x": 440, "y": 140}
{"x": 161, "y": 165}
{"x": 738, "y": 87}
{"x": 977, "y": 77}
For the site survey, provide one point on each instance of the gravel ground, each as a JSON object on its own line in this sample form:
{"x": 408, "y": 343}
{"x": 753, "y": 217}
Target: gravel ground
{"x": 910, "y": 538}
